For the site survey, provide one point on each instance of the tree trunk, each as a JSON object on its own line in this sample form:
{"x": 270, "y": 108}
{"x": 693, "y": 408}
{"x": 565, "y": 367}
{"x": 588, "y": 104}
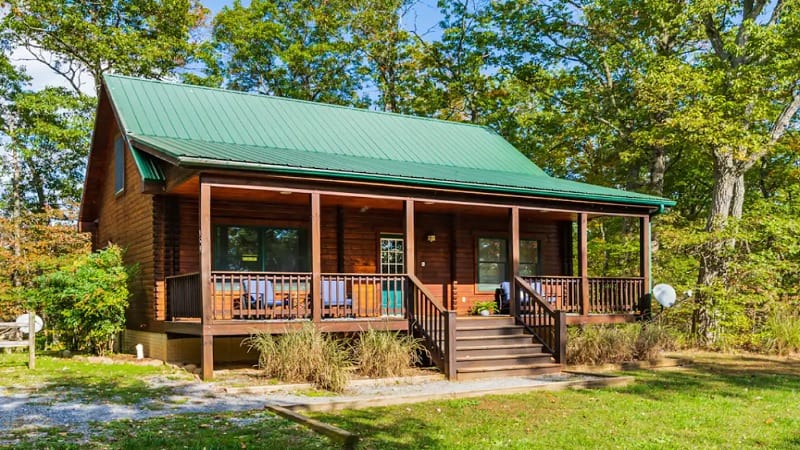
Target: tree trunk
{"x": 658, "y": 167}
{"x": 38, "y": 185}
{"x": 713, "y": 263}
{"x": 737, "y": 203}
{"x": 725, "y": 179}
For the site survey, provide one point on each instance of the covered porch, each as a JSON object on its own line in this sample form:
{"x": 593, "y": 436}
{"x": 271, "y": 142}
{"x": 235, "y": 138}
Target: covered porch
{"x": 274, "y": 255}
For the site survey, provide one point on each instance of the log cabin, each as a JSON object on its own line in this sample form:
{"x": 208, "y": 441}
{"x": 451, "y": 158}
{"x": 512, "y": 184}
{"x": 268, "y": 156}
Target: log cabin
{"x": 252, "y": 213}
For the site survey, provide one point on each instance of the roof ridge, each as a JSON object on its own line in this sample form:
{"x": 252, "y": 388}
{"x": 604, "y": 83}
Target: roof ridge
{"x": 145, "y": 136}
{"x": 296, "y": 100}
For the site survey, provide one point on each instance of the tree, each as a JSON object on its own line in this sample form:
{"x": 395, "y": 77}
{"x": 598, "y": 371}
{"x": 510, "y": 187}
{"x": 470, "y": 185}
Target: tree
{"x": 47, "y": 139}
{"x": 455, "y": 76}
{"x": 750, "y": 90}
{"x": 77, "y": 40}
{"x": 290, "y": 48}
{"x": 592, "y": 74}
{"x": 30, "y": 246}
{"x": 387, "y": 50}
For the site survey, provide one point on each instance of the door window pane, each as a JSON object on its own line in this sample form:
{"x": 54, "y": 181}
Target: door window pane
{"x": 392, "y": 257}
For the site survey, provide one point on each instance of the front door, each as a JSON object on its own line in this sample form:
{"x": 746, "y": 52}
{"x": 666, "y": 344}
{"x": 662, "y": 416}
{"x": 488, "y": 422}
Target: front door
{"x": 392, "y": 262}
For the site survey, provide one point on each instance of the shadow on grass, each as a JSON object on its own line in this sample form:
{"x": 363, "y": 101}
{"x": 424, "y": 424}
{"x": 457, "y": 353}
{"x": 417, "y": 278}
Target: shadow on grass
{"x": 120, "y": 391}
{"x": 71, "y": 379}
{"x": 376, "y": 429}
{"x": 720, "y": 375}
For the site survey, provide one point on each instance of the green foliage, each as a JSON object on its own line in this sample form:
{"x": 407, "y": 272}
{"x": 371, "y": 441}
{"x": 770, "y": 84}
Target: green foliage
{"x": 385, "y": 353}
{"x": 488, "y": 305}
{"x": 613, "y": 245}
{"x": 48, "y": 134}
{"x": 603, "y": 344}
{"x": 782, "y": 330}
{"x": 304, "y": 355}
{"x": 30, "y": 246}
{"x": 133, "y": 37}
{"x": 298, "y": 49}
{"x": 85, "y": 301}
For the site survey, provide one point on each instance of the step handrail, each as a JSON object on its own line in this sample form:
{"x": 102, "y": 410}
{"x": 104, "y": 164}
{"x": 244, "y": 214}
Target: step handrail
{"x": 546, "y": 324}
{"x": 429, "y": 319}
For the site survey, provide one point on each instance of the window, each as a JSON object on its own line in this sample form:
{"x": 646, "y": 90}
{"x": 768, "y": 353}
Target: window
{"x": 260, "y": 249}
{"x": 492, "y": 263}
{"x": 119, "y": 165}
{"x": 528, "y": 258}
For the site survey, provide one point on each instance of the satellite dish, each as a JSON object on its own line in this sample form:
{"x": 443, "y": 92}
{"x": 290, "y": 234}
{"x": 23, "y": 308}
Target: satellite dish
{"x": 23, "y": 322}
{"x": 664, "y": 294}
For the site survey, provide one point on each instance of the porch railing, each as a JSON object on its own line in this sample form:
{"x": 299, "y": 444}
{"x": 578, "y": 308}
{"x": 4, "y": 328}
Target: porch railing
{"x": 261, "y": 295}
{"x": 428, "y": 319}
{"x": 363, "y": 295}
{"x": 563, "y": 293}
{"x": 607, "y": 295}
{"x": 545, "y": 323}
{"x": 183, "y": 296}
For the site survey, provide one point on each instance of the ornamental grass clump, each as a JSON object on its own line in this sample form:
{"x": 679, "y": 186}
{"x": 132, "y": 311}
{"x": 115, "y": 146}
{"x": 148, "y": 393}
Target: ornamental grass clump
{"x": 782, "y": 331}
{"x": 609, "y": 344}
{"x": 305, "y": 355}
{"x": 385, "y": 353}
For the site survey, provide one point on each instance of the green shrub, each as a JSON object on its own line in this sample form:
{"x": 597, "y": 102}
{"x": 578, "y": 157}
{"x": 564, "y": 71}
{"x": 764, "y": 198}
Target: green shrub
{"x": 305, "y": 355}
{"x": 604, "y": 344}
{"x": 782, "y": 331}
{"x": 385, "y": 353}
{"x": 477, "y": 307}
{"x": 84, "y": 303}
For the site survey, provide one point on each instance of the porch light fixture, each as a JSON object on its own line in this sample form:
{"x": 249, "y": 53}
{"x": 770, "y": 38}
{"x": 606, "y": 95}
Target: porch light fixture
{"x": 430, "y": 237}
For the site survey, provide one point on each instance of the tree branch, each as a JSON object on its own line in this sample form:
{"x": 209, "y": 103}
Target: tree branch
{"x": 716, "y": 40}
{"x": 779, "y": 127}
{"x": 776, "y": 13}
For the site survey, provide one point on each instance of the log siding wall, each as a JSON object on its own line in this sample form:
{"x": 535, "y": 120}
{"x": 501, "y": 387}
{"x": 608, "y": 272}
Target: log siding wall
{"x": 127, "y": 219}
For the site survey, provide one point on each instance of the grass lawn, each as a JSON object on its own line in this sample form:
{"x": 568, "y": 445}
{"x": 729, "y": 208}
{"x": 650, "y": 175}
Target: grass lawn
{"x": 79, "y": 379}
{"x": 721, "y": 401}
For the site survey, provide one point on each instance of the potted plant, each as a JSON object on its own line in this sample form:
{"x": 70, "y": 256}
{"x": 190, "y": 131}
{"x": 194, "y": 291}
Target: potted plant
{"x": 483, "y": 308}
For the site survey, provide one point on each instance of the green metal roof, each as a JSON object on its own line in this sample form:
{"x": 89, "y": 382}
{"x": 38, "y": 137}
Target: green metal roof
{"x": 148, "y": 166}
{"x": 204, "y": 127}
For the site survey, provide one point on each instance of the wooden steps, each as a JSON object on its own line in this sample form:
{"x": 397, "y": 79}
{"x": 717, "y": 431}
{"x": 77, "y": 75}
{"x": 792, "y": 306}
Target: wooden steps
{"x": 495, "y": 346}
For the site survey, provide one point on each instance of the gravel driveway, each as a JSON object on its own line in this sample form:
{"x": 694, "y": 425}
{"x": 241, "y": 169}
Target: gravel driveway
{"x": 33, "y": 408}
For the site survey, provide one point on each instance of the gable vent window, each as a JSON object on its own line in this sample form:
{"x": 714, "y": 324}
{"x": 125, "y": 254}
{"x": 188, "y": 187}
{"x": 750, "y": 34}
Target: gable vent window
{"x": 119, "y": 165}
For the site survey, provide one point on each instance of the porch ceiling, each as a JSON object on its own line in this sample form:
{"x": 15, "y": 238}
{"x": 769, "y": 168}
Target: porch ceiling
{"x": 190, "y": 187}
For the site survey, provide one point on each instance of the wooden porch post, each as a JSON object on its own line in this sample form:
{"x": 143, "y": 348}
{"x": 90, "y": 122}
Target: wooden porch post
{"x": 316, "y": 258}
{"x": 583, "y": 261}
{"x": 644, "y": 258}
{"x": 454, "y": 220}
{"x": 207, "y": 317}
{"x": 408, "y": 231}
{"x": 513, "y": 257}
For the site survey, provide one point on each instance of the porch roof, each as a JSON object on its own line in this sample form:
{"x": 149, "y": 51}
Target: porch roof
{"x": 202, "y": 127}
